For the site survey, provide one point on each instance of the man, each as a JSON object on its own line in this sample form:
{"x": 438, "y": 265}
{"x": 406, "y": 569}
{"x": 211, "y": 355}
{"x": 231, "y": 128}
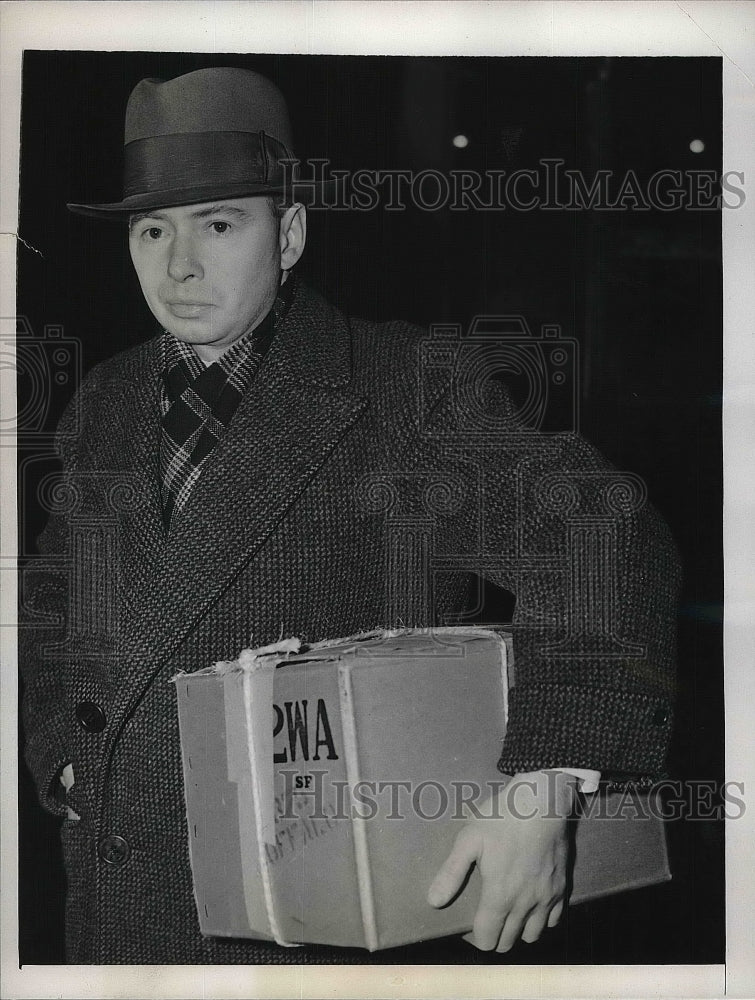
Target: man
{"x": 222, "y": 479}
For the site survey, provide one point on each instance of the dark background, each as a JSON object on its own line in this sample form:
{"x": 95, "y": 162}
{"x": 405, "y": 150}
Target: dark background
{"x": 640, "y": 291}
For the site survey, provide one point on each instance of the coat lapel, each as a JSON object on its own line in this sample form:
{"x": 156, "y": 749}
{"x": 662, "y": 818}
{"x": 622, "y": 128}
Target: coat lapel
{"x": 297, "y": 410}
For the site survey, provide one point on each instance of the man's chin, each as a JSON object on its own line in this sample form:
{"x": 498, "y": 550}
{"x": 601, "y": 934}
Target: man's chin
{"x": 189, "y": 331}
{"x": 191, "y": 337}
{"x": 208, "y": 343}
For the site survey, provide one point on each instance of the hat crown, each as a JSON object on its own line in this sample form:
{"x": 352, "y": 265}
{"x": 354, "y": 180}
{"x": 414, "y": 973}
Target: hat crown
{"x": 220, "y": 99}
{"x": 214, "y": 133}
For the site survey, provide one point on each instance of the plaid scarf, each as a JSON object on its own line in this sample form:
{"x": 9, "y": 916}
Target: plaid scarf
{"x": 198, "y": 402}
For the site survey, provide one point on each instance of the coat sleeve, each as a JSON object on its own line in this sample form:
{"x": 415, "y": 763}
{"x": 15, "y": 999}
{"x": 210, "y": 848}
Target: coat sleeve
{"x": 43, "y": 624}
{"x": 592, "y": 566}
{"x": 596, "y": 578}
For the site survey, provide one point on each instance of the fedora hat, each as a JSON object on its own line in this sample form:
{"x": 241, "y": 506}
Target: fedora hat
{"x": 214, "y": 133}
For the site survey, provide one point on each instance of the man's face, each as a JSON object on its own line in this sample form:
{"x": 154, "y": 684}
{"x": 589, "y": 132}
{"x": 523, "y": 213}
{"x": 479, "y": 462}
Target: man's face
{"x": 210, "y": 272}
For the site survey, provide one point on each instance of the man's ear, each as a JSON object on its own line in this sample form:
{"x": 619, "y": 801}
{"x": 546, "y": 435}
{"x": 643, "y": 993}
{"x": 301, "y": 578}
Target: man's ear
{"x": 293, "y": 235}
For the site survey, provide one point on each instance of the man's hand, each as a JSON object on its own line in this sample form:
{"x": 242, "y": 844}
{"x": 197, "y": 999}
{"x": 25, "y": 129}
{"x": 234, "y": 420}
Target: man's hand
{"x": 67, "y": 781}
{"x": 519, "y": 843}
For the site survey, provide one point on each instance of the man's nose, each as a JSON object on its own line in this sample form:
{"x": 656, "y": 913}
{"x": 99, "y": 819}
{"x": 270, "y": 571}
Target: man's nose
{"x": 184, "y": 262}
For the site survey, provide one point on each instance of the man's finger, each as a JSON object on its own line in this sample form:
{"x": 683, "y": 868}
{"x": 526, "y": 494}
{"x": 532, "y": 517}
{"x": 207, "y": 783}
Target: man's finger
{"x": 512, "y": 931}
{"x": 555, "y": 914}
{"x": 454, "y": 870}
{"x": 487, "y": 927}
{"x": 535, "y": 925}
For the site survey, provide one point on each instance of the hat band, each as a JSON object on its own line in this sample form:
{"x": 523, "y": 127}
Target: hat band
{"x": 201, "y": 159}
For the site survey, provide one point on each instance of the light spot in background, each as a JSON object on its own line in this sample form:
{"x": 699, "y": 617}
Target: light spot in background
{"x": 460, "y": 141}
{"x": 697, "y": 145}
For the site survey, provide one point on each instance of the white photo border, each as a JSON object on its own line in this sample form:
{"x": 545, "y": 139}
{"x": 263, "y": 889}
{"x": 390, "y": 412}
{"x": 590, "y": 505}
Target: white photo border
{"x": 703, "y": 28}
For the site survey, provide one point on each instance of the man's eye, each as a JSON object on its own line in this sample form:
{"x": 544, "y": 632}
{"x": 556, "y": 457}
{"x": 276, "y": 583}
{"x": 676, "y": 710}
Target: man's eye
{"x": 220, "y": 227}
{"x": 153, "y": 233}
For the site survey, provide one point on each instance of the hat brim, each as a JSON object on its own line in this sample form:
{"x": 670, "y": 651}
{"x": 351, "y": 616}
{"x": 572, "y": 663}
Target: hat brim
{"x": 306, "y": 193}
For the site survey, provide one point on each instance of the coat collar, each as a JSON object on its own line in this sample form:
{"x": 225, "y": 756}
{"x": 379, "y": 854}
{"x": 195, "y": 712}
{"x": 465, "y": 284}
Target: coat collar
{"x": 315, "y": 339}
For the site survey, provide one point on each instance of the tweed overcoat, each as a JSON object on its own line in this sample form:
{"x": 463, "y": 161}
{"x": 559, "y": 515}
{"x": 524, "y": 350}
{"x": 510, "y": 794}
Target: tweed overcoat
{"x": 341, "y": 497}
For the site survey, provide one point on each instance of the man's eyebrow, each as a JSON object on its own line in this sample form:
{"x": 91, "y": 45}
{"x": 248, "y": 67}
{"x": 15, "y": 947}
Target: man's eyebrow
{"x": 133, "y": 219}
{"x": 221, "y": 208}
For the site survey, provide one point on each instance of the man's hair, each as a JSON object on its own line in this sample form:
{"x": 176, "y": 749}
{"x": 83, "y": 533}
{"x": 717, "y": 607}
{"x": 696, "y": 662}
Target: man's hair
{"x": 278, "y": 205}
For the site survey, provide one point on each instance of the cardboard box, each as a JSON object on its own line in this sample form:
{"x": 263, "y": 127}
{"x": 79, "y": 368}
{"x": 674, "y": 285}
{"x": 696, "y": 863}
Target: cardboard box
{"x": 324, "y": 789}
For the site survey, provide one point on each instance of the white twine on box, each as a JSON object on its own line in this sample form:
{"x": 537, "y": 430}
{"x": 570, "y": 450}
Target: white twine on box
{"x": 255, "y": 659}
{"x": 258, "y": 657}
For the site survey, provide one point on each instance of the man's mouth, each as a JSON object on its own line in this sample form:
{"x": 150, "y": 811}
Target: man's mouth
{"x": 187, "y": 310}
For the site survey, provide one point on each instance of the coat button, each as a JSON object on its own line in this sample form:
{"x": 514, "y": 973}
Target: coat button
{"x": 661, "y": 715}
{"x": 90, "y": 717}
{"x": 114, "y": 850}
